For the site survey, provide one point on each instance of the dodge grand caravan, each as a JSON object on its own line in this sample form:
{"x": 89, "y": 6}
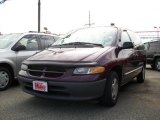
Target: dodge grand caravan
{"x": 87, "y": 64}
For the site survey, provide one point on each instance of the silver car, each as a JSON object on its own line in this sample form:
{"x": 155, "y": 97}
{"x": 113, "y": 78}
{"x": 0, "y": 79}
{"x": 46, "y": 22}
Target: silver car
{"x": 14, "y": 48}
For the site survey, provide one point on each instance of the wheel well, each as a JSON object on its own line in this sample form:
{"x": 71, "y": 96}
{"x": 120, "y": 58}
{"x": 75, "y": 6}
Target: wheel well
{"x": 8, "y": 67}
{"x": 118, "y": 70}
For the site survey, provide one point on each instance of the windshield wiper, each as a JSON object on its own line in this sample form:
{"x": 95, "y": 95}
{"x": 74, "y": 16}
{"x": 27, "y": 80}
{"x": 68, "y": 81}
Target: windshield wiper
{"x": 94, "y": 44}
{"x": 81, "y": 43}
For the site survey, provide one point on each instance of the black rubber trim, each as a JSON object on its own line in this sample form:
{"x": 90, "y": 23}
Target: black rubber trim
{"x": 61, "y": 63}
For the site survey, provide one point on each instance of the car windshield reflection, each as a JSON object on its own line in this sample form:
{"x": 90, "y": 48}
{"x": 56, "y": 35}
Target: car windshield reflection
{"x": 7, "y": 39}
{"x": 101, "y": 36}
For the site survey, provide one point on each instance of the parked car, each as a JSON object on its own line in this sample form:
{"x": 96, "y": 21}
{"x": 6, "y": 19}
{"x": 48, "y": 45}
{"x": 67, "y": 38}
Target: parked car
{"x": 87, "y": 64}
{"x": 153, "y": 53}
{"x": 14, "y": 48}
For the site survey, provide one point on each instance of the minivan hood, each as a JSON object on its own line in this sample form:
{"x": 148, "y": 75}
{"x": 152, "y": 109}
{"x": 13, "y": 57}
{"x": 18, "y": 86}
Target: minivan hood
{"x": 69, "y": 54}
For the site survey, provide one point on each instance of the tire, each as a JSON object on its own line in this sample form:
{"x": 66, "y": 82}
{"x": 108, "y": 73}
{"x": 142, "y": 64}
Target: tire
{"x": 152, "y": 66}
{"x": 141, "y": 76}
{"x": 5, "y": 78}
{"x": 111, "y": 91}
{"x": 157, "y": 64}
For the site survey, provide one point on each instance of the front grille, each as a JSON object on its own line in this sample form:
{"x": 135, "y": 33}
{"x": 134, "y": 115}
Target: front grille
{"x": 49, "y": 71}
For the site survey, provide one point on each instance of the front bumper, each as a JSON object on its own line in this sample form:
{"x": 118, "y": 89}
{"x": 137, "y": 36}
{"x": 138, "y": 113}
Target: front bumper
{"x": 66, "y": 90}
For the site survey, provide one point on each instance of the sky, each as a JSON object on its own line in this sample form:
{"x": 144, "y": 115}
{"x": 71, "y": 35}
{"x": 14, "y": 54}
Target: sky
{"x": 61, "y": 16}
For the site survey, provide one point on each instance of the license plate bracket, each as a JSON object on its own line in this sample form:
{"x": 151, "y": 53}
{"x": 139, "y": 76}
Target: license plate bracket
{"x": 40, "y": 86}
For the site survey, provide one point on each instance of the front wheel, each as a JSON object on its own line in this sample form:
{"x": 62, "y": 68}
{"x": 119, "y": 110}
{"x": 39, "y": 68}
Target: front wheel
{"x": 141, "y": 76}
{"x": 111, "y": 90}
{"x": 157, "y": 64}
{"x": 5, "y": 78}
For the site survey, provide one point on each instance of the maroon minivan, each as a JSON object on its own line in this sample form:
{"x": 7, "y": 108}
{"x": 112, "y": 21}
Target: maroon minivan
{"x": 87, "y": 64}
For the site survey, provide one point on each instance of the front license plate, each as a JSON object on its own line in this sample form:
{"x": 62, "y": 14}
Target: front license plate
{"x": 40, "y": 86}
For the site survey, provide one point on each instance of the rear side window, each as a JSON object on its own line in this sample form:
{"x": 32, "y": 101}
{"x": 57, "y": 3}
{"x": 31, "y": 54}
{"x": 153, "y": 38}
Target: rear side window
{"x": 146, "y": 45}
{"x": 47, "y": 40}
{"x": 154, "y": 46}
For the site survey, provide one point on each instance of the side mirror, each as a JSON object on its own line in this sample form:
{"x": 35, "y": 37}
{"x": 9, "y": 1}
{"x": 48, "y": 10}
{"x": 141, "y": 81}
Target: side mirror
{"x": 127, "y": 45}
{"x": 19, "y": 47}
{"x": 50, "y": 45}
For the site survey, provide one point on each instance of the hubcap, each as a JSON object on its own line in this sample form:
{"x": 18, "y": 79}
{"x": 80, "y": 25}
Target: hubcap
{"x": 114, "y": 88}
{"x": 143, "y": 71}
{"x": 4, "y": 79}
{"x": 158, "y": 65}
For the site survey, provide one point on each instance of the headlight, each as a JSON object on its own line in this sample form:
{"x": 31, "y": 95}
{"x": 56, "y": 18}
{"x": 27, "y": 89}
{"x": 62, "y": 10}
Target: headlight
{"x": 24, "y": 67}
{"x": 89, "y": 70}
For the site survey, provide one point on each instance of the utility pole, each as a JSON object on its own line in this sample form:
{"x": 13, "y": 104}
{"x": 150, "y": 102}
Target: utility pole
{"x": 89, "y": 22}
{"x": 39, "y": 15}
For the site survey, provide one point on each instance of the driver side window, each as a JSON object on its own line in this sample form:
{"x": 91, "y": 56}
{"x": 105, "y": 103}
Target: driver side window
{"x": 29, "y": 42}
{"x": 124, "y": 38}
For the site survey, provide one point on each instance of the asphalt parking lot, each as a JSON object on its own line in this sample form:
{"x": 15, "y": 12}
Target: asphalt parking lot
{"x": 136, "y": 102}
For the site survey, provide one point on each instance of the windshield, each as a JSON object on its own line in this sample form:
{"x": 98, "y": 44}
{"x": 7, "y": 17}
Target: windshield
{"x": 98, "y": 35}
{"x": 7, "y": 39}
